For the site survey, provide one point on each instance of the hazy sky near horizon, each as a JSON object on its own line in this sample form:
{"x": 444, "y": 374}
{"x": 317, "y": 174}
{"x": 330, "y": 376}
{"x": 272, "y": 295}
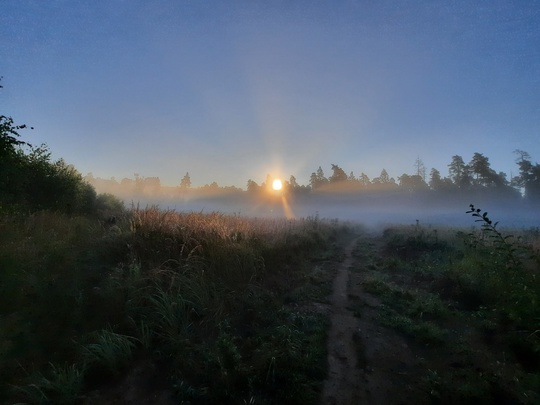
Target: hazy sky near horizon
{"x": 234, "y": 90}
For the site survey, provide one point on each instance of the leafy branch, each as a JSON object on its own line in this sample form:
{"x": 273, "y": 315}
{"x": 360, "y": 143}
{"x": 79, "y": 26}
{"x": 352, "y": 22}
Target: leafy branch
{"x": 489, "y": 228}
{"x": 9, "y": 133}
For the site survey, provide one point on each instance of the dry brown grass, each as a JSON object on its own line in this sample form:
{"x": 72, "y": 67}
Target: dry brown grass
{"x": 213, "y": 226}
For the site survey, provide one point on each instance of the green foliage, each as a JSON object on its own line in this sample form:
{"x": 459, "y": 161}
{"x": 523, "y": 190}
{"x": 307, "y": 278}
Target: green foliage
{"x": 502, "y": 274}
{"x": 423, "y": 331}
{"x": 30, "y": 180}
{"x": 414, "y": 242}
{"x": 409, "y": 311}
{"x": 9, "y": 138}
{"x": 168, "y": 282}
{"x": 491, "y": 237}
{"x": 61, "y": 385}
{"x": 110, "y": 352}
{"x": 448, "y": 295}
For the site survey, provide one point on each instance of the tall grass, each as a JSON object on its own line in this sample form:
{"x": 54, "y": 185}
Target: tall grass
{"x": 158, "y": 284}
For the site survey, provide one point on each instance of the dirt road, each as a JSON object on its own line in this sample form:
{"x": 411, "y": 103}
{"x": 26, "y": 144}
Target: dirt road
{"x": 368, "y": 364}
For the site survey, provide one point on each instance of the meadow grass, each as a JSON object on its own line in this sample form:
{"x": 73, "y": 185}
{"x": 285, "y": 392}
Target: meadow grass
{"x": 449, "y": 287}
{"x": 215, "y": 302}
{"x": 202, "y": 295}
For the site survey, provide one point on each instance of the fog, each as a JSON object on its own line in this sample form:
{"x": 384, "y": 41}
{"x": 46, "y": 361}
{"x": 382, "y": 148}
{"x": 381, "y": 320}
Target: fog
{"x": 372, "y": 210}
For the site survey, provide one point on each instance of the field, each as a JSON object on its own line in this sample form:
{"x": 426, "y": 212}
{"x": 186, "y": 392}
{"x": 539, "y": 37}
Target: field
{"x": 153, "y": 306}
{"x": 446, "y": 316}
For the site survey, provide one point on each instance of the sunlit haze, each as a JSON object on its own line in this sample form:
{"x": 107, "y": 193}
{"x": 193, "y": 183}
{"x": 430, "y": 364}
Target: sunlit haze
{"x": 232, "y": 91}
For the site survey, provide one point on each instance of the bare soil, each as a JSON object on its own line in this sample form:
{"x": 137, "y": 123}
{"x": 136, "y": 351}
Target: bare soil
{"x": 368, "y": 363}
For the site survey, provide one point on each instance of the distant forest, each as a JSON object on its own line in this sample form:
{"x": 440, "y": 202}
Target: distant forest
{"x": 31, "y": 180}
{"x": 464, "y": 179}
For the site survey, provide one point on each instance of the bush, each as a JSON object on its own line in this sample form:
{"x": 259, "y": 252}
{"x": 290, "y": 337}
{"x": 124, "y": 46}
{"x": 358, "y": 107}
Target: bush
{"x": 30, "y": 181}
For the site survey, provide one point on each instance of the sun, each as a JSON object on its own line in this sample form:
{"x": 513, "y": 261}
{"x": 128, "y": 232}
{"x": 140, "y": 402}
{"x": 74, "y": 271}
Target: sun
{"x": 277, "y": 184}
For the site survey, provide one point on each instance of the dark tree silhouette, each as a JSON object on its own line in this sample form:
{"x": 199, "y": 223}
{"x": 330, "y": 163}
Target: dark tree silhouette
{"x": 30, "y": 181}
{"x": 435, "y": 180}
{"x": 459, "y": 172}
{"x": 317, "y": 179}
{"x": 338, "y": 174}
{"x": 483, "y": 174}
{"x": 529, "y": 176}
{"x": 412, "y": 183}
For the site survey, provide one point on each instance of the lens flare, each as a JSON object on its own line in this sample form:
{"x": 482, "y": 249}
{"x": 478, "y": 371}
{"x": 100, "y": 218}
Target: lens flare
{"x": 277, "y": 184}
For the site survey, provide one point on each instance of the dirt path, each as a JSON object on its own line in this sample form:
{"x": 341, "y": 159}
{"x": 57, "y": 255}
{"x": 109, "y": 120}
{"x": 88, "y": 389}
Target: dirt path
{"x": 343, "y": 381}
{"x": 367, "y": 362}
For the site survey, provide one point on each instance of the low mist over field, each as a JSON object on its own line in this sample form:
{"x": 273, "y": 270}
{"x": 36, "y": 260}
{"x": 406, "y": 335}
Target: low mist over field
{"x": 371, "y": 213}
{"x": 432, "y": 199}
{"x": 371, "y": 209}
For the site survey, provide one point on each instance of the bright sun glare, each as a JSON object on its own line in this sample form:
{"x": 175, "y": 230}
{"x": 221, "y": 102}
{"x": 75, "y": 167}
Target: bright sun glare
{"x": 277, "y": 185}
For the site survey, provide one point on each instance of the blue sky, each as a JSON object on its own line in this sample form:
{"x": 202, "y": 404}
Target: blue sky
{"x": 234, "y": 90}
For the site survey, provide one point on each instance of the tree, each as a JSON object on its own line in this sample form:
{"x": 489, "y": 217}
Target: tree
{"x": 9, "y": 136}
{"x": 313, "y": 182}
{"x": 525, "y": 167}
{"x": 320, "y": 176}
{"x": 185, "y": 183}
{"x": 420, "y": 168}
{"x": 484, "y": 175}
{"x": 31, "y": 181}
{"x": 212, "y": 186}
{"x": 12, "y": 159}
{"x": 338, "y": 174}
{"x": 317, "y": 179}
{"x": 293, "y": 183}
{"x": 252, "y": 186}
{"x": 459, "y": 172}
{"x": 435, "y": 180}
{"x": 383, "y": 178}
{"x": 412, "y": 183}
{"x": 296, "y": 188}
{"x": 529, "y": 176}
{"x": 364, "y": 179}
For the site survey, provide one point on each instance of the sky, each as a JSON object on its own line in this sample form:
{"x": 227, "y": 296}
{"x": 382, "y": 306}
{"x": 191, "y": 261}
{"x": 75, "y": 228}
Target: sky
{"x": 235, "y": 90}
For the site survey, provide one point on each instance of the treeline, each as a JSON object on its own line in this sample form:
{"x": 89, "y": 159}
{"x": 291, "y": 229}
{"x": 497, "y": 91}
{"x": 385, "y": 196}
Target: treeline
{"x": 31, "y": 181}
{"x": 475, "y": 177}
{"x": 140, "y": 186}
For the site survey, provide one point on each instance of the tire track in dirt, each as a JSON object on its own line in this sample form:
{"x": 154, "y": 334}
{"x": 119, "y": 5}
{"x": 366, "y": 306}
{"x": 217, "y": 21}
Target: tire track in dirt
{"x": 342, "y": 384}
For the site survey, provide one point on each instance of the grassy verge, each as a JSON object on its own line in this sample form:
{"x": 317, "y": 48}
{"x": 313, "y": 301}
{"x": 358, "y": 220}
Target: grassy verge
{"x": 209, "y": 302}
{"x": 468, "y": 301}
